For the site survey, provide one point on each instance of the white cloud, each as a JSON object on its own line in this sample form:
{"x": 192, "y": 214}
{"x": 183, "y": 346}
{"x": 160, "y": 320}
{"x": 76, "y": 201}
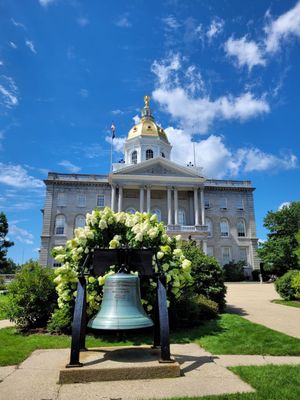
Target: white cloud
{"x": 215, "y": 28}
{"x": 117, "y": 112}
{"x": 1, "y": 62}
{"x": 181, "y": 92}
{"x": 118, "y": 143}
{"x": 285, "y": 204}
{"x": 8, "y": 92}
{"x": 254, "y": 159}
{"x": 82, "y": 21}
{"x": 13, "y": 45}
{"x": 218, "y": 161}
{"x": 84, "y": 93}
{"x": 17, "y": 176}
{"x": 22, "y": 235}
{"x": 246, "y": 51}
{"x": 123, "y": 21}
{"x": 46, "y": 3}
{"x": 30, "y": 45}
{"x": 171, "y": 22}
{"x": 18, "y": 24}
{"x": 282, "y": 28}
{"x": 69, "y": 166}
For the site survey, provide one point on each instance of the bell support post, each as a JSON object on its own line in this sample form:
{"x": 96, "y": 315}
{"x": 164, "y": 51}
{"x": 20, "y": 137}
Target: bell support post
{"x": 79, "y": 319}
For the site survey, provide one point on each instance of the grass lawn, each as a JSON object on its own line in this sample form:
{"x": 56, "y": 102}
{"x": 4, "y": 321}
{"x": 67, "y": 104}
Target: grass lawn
{"x": 271, "y": 382}
{"x": 288, "y": 303}
{"x": 229, "y": 334}
{"x": 3, "y": 301}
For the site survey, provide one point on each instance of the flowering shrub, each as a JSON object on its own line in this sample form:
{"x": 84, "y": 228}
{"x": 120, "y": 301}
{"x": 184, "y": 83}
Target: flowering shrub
{"x": 106, "y": 229}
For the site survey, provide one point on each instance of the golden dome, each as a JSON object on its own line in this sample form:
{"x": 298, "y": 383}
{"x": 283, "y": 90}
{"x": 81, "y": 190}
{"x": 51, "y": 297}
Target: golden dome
{"x": 147, "y": 125}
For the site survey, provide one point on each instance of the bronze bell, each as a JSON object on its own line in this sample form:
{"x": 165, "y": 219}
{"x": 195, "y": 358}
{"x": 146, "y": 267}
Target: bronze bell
{"x": 121, "y": 306}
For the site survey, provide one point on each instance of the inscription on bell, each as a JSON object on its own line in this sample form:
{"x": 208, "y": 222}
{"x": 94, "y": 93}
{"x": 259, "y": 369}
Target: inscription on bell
{"x": 121, "y": 294}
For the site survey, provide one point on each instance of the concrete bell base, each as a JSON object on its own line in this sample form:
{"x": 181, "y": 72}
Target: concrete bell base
{"x": 119, "y": 363}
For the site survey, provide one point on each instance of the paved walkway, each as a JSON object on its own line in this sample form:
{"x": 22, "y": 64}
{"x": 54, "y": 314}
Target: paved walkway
{"x": 253, "y": 301}
{"x": 5, "y": 323}
{"x": 202, "y": 374}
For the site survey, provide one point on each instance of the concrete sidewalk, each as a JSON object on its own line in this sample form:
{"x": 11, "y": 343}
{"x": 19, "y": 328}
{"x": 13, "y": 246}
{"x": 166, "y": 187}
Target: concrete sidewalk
{"x": 253, "y": 301}
{"x": 202, "y": 374}
{"x": 36, "y": 378}
{"x": 5, "y": 323}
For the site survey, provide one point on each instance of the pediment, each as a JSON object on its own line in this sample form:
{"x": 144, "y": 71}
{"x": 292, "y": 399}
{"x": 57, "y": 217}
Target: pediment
{"x": 159, "y": 167}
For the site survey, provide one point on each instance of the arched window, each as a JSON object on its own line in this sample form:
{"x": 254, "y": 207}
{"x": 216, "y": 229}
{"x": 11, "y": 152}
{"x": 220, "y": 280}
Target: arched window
{"x": 208, "y": 223}
{"x": 60, "y": 222}
{"x": 134, "y": 157}
{"x": 131, "y": 210}
{"x": 241, "y": 228}
{"x": 149, "y": 154}
{"x": 181, "y": 217}
{"x": 157, "y": 212}
{"x": 80, "y": 221}
{"x": 224, "y": 226}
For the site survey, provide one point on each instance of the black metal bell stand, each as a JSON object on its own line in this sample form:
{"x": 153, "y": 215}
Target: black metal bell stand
{"x": 96, "y": 264}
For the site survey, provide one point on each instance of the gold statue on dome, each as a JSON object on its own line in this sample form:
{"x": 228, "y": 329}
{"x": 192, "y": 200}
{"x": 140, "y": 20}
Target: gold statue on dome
{"x": 146, "y": 100}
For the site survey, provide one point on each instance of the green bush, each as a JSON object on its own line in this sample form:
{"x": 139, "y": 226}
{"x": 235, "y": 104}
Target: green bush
{"x": 234, "y": 272}
{"x": 32, "y": 296}
{"x": 296, "y": 285}
{"x": 255, "y": 275}
{"x": 207, "y": 274}
{"x": 2, "y": 283}
{"x": 192, "y": 311}
{"x": 61, "y": 321}
{"x": 284, "y": 285}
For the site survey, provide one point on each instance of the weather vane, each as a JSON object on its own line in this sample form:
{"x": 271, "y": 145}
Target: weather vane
{"x": 146, "y": 100}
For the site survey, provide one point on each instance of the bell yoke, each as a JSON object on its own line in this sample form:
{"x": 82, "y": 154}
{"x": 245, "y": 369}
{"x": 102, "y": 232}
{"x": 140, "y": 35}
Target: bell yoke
{"x": 121, "y": 307}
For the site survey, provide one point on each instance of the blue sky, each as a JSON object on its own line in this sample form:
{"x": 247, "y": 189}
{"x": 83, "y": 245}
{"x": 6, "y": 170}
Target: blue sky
{"x": 223, "y": 74}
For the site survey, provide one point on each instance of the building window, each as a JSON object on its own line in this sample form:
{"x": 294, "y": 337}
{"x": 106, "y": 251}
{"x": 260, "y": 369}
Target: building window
{"x": 243, "y": 255}
{"x": 181, "y": 217}
{"x": 157, "y": 212}
{"x": 223, "y": 203}
{"x": 224, "y": 226}
{"x": 241, "y": 228}
{"x": 208, "y": 223}
{"x": 60, "y": 222}
{"x": 80, "y": 221}
{"x": 56, "y": 264}
{"x": 61, "y": 199}
{"x": 100, "y": 200}
{"x": 226, "y": 256}
{"x": 134, "y": 157}
{"x": 206, "y": 203}
{"x": 163, "y": 155}
{"x": 240, "y": 203}
{"x": 210, "y": 251}
{"x": 131, "y": 210}
{"x": 81, "y": 200}
{"x": 149, "y": 154}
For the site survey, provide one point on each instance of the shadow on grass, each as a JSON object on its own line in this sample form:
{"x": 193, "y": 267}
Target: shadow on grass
{"x": 180, "y": 335}
{"x": 235, "y": 310}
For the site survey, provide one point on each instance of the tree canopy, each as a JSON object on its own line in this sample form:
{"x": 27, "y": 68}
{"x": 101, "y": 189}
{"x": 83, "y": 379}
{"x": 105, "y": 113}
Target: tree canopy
{"x": 4, "y": 243}
{"x": 279, "y": 252}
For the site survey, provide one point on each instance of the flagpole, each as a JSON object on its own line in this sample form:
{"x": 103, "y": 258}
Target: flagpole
{"x": 111, "y": 152}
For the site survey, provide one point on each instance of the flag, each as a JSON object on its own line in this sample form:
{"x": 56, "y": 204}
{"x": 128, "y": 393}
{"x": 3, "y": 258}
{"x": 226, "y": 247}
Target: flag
{"x": 113, "y": 129}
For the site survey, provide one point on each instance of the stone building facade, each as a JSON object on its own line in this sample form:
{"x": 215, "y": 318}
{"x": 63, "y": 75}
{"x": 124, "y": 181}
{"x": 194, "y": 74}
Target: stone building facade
{"x": 218, "y": 214}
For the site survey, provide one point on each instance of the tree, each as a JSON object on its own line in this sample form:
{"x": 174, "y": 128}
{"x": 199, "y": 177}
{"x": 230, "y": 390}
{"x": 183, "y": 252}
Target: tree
{"x": 4, "y": 243}
{"x": 279, "y": 252}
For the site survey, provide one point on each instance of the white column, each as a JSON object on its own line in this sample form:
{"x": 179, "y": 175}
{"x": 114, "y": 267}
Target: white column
{"x": 175, "y": 206}
{"x": 113, "y": 197}
{"x": 204, "y": 246}
{"x": 196, "y": 206}
{"x": 120, "y": 200}
{"x": 142, "y": 199}
{"x": 148, "y": 199}
{"x": 202, "y": 206}
{"x": 169, "y": 195}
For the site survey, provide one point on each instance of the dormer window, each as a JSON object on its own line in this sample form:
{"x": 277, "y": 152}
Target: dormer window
{"x": 134, "y": 157}
{"x": 149, "y": 154}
